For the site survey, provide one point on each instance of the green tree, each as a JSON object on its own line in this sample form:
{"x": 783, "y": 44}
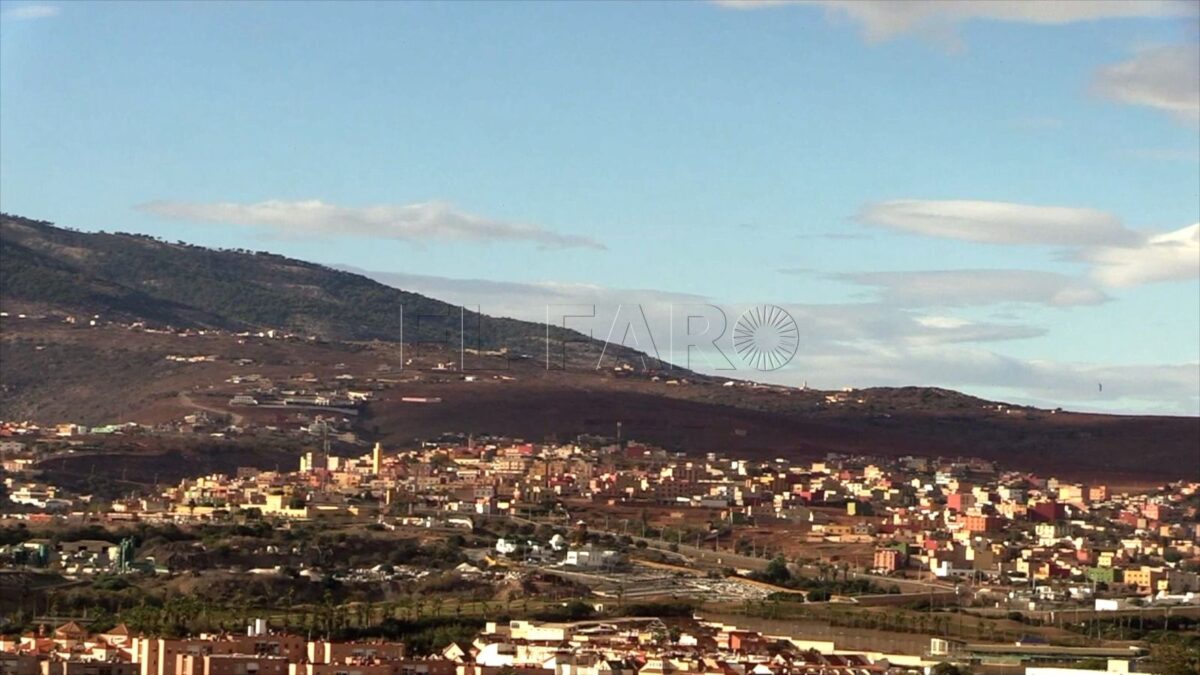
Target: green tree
{"x": 777, "y": 571}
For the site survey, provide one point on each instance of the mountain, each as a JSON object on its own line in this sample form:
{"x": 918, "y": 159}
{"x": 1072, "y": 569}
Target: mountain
{"x": 52, "y": 370}
{"x": 136, "y": 277}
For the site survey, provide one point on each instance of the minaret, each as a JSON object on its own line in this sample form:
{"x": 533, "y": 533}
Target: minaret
{"x": 377, "y": 459}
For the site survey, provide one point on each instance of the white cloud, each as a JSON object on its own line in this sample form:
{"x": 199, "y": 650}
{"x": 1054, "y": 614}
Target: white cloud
{"x": 961, "y": 288}
{"x": 1172, "y": 256}
{"x": 938, "y": 19}
{"x": 942, "y": 321}
{"x": 1165, "y": 78}
{"x": 411, "y": 222}
{"x": 998, "y": 222}
{"x": 31, "y": 12}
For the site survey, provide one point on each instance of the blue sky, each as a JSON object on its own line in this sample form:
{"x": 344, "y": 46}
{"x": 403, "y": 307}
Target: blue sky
{"x": 881, "y": 170}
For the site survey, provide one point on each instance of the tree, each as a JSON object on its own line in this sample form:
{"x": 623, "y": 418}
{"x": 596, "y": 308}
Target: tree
{"x": 818, "y": 595}
{"x": 777, "y": 571}
{"x": 949, "y": 669}
{"x": 1172, "y": 656}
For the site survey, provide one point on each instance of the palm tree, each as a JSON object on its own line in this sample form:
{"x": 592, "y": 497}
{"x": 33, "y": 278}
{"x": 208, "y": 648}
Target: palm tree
{"x": 288, "y": 599}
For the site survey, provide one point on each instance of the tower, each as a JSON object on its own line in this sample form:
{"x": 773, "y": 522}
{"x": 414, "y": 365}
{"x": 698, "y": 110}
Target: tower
{"x": 377, "y": 459}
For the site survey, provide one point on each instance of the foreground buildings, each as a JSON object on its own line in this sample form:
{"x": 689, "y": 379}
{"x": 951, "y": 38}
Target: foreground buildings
{"x": 614, "y": 647}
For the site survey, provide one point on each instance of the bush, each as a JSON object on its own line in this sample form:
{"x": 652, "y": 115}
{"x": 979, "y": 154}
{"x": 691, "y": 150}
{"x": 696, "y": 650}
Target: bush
{"x": 819, "y": 595}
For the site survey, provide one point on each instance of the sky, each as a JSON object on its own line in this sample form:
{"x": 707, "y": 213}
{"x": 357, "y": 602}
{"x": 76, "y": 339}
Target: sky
{"x": 996, "y": 197}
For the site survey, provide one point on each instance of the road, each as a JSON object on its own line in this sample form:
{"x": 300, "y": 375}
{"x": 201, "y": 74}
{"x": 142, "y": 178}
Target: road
{"x": 187, "y": 401}
{"x": 911, "y": 589}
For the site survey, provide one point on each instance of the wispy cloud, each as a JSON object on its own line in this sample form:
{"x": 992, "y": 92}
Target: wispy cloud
{"x": 998, "y": 222}
{"x": 847, "y": 344}
{"x": 938, "y": 20}
{"x": 30, "y": 12}
{"x": 1119, "y": 257}
{"x": 962, "y": 288}
{"x": 424, "y": 221}
{"x": 1164, "y": 78}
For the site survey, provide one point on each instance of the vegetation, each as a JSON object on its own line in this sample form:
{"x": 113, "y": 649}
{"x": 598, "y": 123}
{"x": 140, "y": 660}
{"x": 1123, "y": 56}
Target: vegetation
{"x": 820, "y": 588}
{"x": 422, "y": 636}
{"x": 575, "y": 610}
{"x": 1175, "y": 654}
{"x": 949, "y": 669}
{"x": 1131, "y": 627}
{"x": 140, "y": 277}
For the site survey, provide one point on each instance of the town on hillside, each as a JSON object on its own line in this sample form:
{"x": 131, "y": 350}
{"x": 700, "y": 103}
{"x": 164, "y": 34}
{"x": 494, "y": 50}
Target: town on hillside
{"x": 599, "y": 553}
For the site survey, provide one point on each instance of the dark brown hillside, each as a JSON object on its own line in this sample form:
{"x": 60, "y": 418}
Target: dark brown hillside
{"x": 53, "y": 372}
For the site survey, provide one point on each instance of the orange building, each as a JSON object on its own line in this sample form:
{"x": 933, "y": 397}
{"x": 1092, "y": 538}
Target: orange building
{"x": 888, "y": 559}
{"x": 981, "y": 523}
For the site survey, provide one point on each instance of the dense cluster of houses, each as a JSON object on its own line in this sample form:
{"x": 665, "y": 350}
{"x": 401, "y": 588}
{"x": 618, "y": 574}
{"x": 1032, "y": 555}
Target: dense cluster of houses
{"x": 950, "y": 518}
{"x": 632, "y": 646}
{"x": 1030, "y": 540}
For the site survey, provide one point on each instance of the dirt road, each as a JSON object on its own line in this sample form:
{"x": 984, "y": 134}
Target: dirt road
{"x": 186, "y": 400}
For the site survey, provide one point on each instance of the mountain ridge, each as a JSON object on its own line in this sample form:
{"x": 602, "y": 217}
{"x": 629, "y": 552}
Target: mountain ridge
{"x": 133, "y": 276}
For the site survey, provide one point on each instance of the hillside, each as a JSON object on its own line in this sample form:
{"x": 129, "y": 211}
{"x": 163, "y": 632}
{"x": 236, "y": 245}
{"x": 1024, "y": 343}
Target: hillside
{"x": 53, "y": 371}
{"x": 134, "y": 277}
